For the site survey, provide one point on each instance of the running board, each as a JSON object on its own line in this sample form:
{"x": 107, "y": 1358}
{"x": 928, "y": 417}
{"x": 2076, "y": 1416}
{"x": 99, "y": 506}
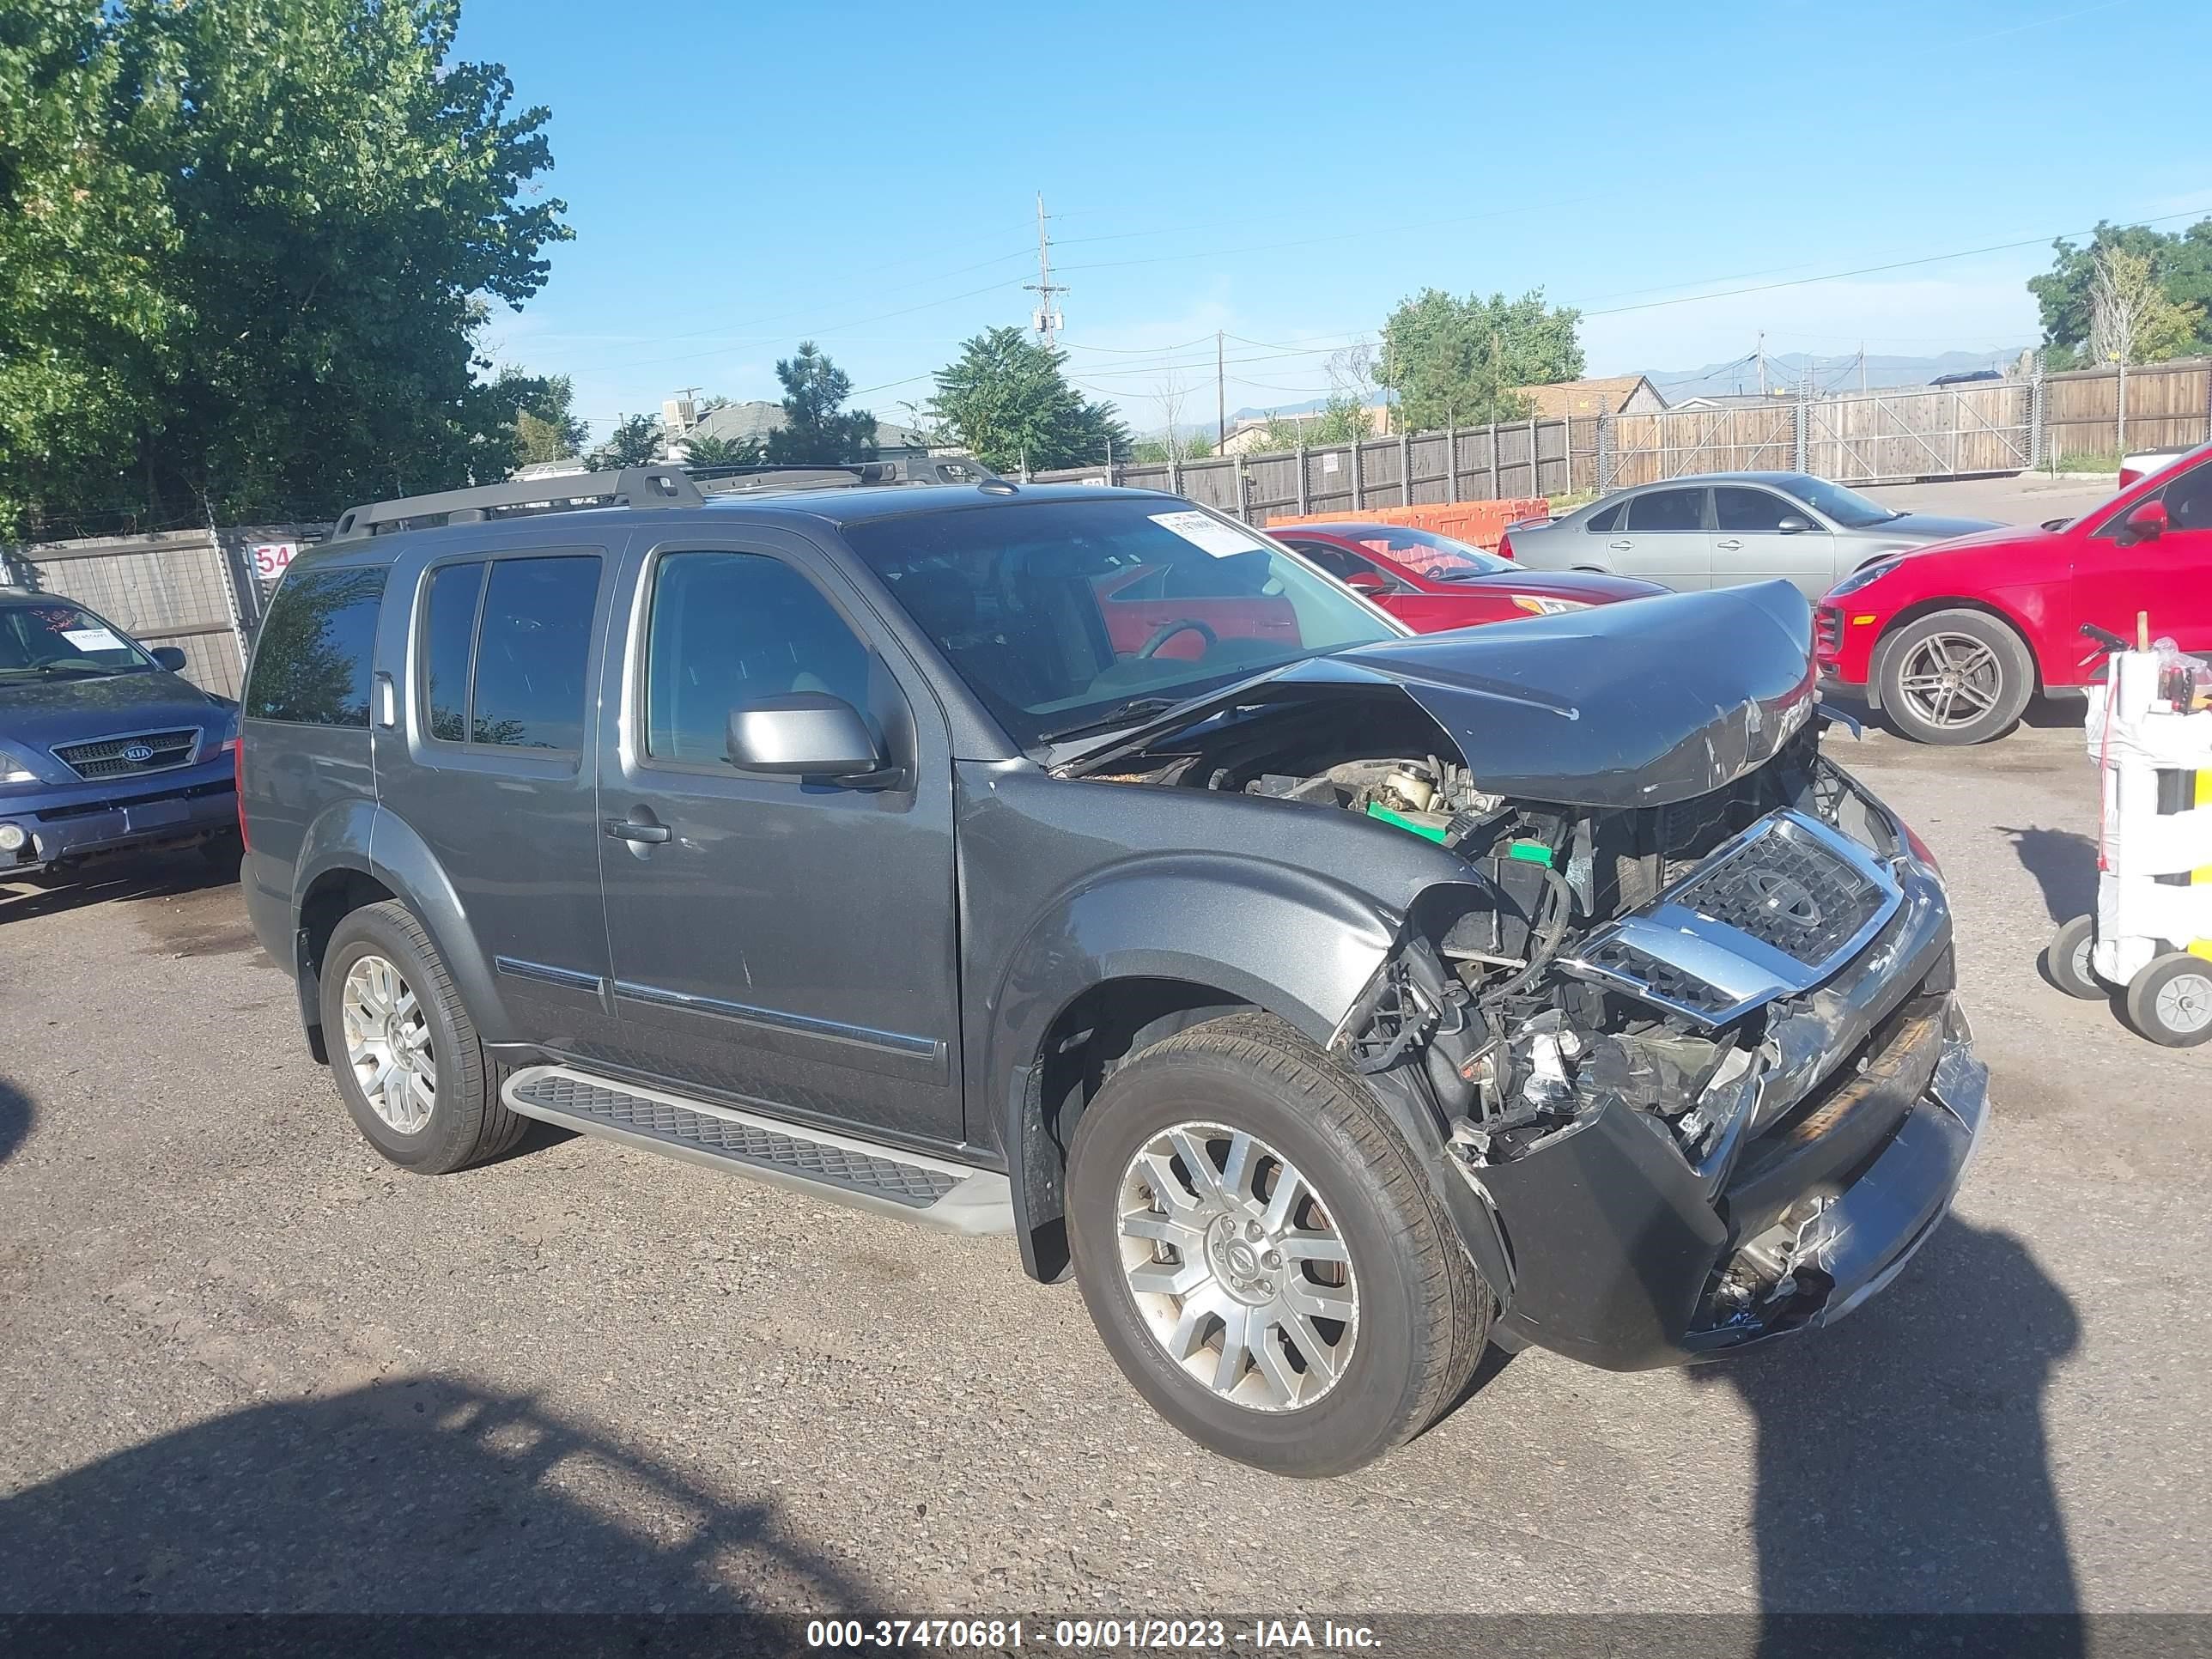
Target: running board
{"x": 864, "y": 1173}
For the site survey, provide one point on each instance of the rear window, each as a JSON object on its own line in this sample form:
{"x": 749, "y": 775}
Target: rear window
{"x": 533, "y": 653}
{"x": 312, "y": 665}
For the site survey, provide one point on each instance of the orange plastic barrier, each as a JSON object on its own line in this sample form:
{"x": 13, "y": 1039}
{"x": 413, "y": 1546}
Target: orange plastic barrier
{"x": 1481, "y": 523}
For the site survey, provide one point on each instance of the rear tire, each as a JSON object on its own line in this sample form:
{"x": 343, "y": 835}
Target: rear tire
{"x": 403, "y": 1050}
{"x": 2170, "y": 1001}
{"x": 2066, "y": 960}
{"x": 1359, "y": 1232}
{"x": 1954, "y": 677}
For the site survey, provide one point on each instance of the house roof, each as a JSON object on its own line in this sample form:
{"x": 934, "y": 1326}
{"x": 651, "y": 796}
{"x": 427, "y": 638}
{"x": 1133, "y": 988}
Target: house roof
{"x": 1608, "y": 396}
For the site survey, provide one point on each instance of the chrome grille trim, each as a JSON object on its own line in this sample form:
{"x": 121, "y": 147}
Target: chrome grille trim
{"x": 1747, "y": 924}
{"x": 96, "y": 759}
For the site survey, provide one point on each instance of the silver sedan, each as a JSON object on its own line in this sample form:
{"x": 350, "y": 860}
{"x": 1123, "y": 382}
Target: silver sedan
{"x": 1728, "y": 528}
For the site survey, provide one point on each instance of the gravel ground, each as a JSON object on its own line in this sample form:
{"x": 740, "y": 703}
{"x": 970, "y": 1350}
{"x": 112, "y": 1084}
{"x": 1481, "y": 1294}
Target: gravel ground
{"x": 249, "y": 1365}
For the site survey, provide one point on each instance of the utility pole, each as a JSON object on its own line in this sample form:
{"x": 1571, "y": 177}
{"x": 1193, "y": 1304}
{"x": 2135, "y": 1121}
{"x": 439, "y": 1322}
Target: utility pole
{"x": 1759, "y": 352}
{"x": 1220, "y": 396}
{"x": 1047, "y": 319}
{"x": 1862, "y": 369}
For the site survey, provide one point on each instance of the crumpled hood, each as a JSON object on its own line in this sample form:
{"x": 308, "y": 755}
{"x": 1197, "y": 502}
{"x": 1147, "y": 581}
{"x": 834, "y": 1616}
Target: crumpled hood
{"x": 1637, "y": 704}
{"x": 42, "y": 713}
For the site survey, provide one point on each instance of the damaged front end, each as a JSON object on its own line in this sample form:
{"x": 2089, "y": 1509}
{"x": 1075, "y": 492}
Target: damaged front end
{"x": 1688, "y": 1033}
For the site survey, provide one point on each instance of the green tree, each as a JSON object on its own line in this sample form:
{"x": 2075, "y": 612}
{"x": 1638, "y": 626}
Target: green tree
{"x": 817, "y": 430}
{"x": 2180, "y": 264}
{"x": 1456, "y": 362}
{"x": 546, "y": 428}
{"x": 635, "y": 441}
{"x": 278, "y": 226}
{"x": 721, "y": 452}
{"x": 1006, "y": 401}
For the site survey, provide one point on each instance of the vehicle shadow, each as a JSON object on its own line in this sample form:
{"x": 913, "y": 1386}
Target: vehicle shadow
{"x": 423, "y": 1495}
{"x": 1902, "y": 1464}
{"x": 2064, "y": 865}
{"x": 155, "y": 875}
{"x": 16, "y": 1117}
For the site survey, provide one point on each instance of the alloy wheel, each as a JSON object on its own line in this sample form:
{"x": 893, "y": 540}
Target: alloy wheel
{"x": 1951, "y": 680}
{"x": 1241, "y": 1275}
{"x": 387, "y": 1042}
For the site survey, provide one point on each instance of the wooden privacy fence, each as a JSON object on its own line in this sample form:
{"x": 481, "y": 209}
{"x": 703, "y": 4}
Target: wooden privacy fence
{"x": 199, "y": 590}
{"x": 1513, "y": 459}
{"x": 2102, "y": 411}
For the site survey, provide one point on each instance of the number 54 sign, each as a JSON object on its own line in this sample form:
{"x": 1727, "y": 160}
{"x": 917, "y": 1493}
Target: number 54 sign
{"x": 272, "y": 558}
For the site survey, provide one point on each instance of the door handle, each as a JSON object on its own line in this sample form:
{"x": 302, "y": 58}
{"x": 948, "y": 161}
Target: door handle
{"x": 630, "y": 829}
{"x": 1621, "y": 547}
{"x": 1728, "y": 546}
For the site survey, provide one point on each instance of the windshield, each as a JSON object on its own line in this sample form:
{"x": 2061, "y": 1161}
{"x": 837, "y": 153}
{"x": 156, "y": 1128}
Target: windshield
{"x": 1060, "y": 615}
{"x": 1846, "y": 506}
{"x": 55, "y": 639}
{"x": 1424, "y": 552}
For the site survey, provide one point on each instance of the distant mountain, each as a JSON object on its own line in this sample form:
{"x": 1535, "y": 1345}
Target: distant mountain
{"x": 1841, "y": 374}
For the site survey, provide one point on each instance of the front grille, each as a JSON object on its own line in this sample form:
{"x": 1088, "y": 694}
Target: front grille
{"x": 1671, "y": 984}
{"x": 1789, "y": 891}
{"x": 129, "y": 755}
{"x": 1828, "y": 627}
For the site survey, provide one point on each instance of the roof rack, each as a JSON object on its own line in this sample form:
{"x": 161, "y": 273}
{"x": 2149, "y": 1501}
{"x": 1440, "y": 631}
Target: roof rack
{"x": 641, "y": 486}
{"x": 633, "y": 486}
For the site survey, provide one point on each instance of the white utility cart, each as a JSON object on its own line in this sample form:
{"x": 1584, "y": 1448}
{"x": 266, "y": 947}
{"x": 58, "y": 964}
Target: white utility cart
{"x": 2152, "y": 930}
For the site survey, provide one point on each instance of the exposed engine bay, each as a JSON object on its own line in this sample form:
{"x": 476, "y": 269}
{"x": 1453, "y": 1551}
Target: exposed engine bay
{"x": 1659, "y": 956}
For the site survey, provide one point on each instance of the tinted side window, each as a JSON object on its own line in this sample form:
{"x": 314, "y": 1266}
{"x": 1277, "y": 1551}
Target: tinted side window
{"x": 2188, "y": 499}
{"x": 1668, "y": 509}
{"x": 727, "y": 628}
{"x": 1751, "y": 509}
{"x": 1335, "y": 560}
{"x": 1602, "y": 521}
{"x": 312, "y": 665}
{"x": 533, "y": 653}
{"x": 449, "y": 628}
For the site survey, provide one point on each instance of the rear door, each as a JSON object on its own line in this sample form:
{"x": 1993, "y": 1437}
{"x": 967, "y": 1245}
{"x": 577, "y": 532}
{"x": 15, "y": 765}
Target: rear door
{"x": 2168, "y": 577}
{"x": 1662, "y": 537}
{"x": 485, "y": 760}
{"x": 788, "y": 942}
{"x": 1750, "y": 545}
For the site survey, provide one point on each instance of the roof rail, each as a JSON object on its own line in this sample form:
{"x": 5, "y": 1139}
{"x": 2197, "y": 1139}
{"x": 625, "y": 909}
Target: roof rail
{"x": 633, "y": 486}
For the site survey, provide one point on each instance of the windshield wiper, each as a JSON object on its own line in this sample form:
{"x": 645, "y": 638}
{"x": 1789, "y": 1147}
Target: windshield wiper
{"x": 1121, "y": 713}
{"x": 77, "y": 668}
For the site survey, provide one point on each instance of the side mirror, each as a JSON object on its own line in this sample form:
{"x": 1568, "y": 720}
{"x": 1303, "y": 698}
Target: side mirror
{"x": 2147, "y": 523}
{"x": 169, "y": 656}
{"x": 805, "y": 734}
{"x": 1369, "y": 583}
{"x": 1791, "y": 524}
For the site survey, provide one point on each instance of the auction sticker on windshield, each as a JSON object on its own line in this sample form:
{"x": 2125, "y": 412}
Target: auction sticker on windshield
{"x": 1214, "y": 537}
{"x": 92, "y": 639}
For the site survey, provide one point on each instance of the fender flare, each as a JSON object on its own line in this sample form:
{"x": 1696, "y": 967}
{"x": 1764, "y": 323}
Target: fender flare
{"x": 1285, "y": 939}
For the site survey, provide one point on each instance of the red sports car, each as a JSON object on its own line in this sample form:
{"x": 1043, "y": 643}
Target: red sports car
{"x": 1432, "y": 583}
{"x": 1950, "y": 641}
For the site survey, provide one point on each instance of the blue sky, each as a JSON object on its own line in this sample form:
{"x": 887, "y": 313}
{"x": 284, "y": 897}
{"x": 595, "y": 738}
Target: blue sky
{"x": 741, "y": 178}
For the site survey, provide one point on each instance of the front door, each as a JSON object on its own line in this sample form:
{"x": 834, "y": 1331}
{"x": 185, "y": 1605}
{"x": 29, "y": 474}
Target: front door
{"x": 785, "y": 942}
{"x": 2167, "y": 578}
{"x": 1662, "y": 538}
{"x": 1750, "y": 545}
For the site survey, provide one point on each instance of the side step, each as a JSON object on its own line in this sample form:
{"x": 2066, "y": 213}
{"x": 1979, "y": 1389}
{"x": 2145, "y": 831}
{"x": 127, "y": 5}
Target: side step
{"x": 891, "y": 1180}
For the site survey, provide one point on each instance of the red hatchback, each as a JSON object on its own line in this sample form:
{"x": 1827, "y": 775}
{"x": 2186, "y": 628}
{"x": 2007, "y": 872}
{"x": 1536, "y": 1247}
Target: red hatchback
{"x": 1432, "y": 583}
{"x": 1951, "y": 642}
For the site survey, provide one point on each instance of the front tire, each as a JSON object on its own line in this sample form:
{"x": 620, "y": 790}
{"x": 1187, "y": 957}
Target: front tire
{"x": 2170, "y": 1001}
{"x": 1955, "y": 678}
{"x": 403, "y": 1050}
{"x": 1261, "y": 1255}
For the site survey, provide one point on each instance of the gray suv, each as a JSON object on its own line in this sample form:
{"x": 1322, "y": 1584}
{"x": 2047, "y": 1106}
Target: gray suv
{"x": 1080, "y": 865}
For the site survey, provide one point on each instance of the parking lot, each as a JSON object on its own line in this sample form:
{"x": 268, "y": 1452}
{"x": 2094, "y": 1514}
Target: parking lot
{"x": 251, "y": 1366}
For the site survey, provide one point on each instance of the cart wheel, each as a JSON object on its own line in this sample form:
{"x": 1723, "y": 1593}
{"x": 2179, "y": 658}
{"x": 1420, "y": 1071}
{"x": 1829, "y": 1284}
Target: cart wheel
{"x": 2171, "y": 1000}
{"x": 2066, "y": 960}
